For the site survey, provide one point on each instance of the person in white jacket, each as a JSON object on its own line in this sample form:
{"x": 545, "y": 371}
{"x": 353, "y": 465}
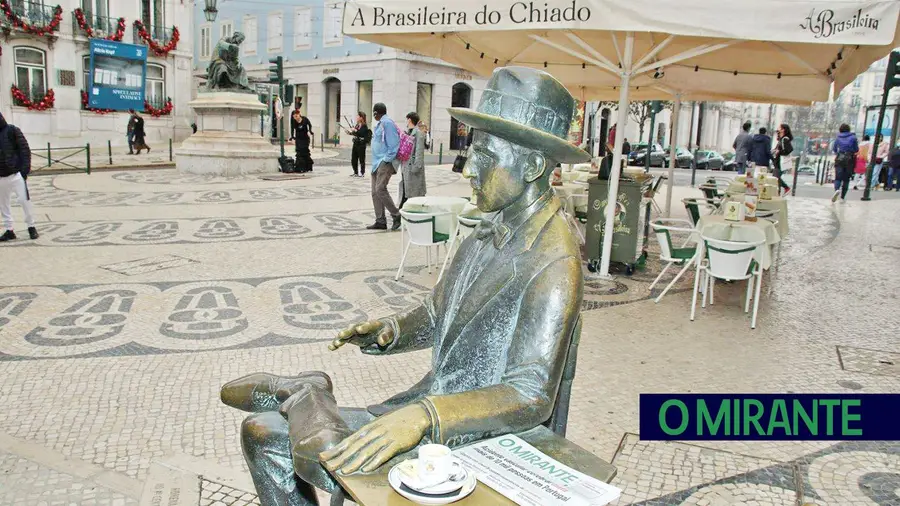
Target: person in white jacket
{"x": 884, "y": 149}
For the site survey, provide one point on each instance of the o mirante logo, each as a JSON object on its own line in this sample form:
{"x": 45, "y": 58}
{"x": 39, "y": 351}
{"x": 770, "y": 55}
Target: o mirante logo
{"x": 697, "y": 417}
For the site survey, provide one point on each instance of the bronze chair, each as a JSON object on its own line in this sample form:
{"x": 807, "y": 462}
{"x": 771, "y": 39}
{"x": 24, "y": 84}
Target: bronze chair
{"x": 559, "y": 417}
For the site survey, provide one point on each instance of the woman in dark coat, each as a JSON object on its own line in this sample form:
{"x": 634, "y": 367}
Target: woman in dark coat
{"x": 301, "y": 132}
{"x": 140, "y": 135}
{"x": 782, "y": 149}
{"x": 361, "y": 134}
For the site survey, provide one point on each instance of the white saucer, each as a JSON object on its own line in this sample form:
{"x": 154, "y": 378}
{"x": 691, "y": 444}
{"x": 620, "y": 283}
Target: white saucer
{"x": 468, "y": 485}
{"x": 408, "y": 467}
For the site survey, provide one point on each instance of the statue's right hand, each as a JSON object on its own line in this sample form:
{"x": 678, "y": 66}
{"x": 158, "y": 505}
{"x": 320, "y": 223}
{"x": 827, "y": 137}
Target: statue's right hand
{"x": 364, "y": 334}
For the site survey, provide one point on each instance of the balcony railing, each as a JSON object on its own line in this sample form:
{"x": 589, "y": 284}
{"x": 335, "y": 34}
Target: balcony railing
{"x": 160, "y": 34}
{"x": 33, "y": 13}
{"x": 34, "y": 93}
{"x": 101, "y": 26}
{"x": 156, "y": 102}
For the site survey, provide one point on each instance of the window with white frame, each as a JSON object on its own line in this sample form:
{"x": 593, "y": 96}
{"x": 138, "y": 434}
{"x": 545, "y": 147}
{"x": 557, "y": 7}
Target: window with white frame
{"x": 302, "y": 28}
{"x": 153, "y": 16}
{"x": 31, "y": 72}
{"x": 86, "y": 72}
{"x": 205, "y": 43}
{"x": 91, "y": 8}
{"x": 275, "y": 32}
{"x": 226, "y": 29}
{"x": 156, "y": 85}
{"x": 332, "y": 24}
{"x": 251, "y": 35}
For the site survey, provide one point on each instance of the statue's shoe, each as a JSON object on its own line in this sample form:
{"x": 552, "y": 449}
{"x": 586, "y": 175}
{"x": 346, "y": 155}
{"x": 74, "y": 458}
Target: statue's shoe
{"x": 261, "y": 392}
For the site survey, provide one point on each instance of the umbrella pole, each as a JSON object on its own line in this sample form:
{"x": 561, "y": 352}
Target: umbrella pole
{"x": 676, "y": 111}
{"x": 621, "y": 121}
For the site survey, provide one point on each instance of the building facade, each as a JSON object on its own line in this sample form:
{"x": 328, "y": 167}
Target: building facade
{"x": 333, "y": 76}
{"x": 58, "y": 61}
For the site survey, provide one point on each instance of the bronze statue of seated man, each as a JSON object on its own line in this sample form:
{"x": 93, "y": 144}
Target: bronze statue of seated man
{"x": 498, "y": 323}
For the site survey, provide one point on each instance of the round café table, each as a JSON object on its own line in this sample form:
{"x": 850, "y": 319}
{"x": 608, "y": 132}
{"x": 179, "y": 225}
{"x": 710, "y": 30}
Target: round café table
{"x": 778, "y": 204}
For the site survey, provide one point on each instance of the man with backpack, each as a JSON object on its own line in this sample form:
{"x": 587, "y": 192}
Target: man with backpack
{"x": 15, "y": 164}
{"x": 385, "y": 145}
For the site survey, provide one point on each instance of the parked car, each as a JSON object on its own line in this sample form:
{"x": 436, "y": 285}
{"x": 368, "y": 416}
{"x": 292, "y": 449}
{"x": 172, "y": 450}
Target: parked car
{"x": 657, "y": 156}
{"x": 683, "y": 158}
{"x": 730, "y": 164}
{"x": 709, "y": 160}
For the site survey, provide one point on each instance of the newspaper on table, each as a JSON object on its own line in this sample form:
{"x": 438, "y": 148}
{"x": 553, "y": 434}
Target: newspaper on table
{"x": 529, "y": 477}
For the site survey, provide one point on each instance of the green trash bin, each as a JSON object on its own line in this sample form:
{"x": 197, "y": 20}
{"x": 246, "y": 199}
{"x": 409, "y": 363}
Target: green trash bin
{"x": 629, "y": 232}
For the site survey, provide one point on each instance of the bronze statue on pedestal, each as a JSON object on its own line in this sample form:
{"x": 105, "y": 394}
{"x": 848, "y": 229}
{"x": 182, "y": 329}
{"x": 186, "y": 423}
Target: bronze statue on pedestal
{"x": 498, "y": 323}
{"x": 225, "y": 72}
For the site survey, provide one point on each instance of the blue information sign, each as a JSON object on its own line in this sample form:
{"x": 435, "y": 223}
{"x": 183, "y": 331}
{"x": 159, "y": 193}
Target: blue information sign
{"x": 118, "y": 76}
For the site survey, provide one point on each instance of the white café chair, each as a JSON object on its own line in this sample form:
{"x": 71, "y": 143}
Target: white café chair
{"x": 419, "y": 230}
{"x": 729, "y": 261}
{"x": 574, "y": 216}
{"x": 684, "y": 255}
{"x": 464, "y": 228}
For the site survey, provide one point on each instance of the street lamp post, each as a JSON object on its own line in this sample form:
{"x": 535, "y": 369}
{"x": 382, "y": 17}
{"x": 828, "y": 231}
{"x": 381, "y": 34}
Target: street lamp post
{"x": 210, "y": 10}
{"x": 891, "y": 80}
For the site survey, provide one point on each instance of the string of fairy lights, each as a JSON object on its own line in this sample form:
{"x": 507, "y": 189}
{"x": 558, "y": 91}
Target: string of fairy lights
{"x": 658, "y": 73}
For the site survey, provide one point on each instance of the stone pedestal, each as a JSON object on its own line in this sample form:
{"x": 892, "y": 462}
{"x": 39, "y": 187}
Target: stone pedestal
{"x": 228, "y": 140}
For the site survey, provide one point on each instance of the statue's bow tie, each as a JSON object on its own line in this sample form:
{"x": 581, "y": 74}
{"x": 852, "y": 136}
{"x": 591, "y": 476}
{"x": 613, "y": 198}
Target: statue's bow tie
{"x": 500, "y": 232}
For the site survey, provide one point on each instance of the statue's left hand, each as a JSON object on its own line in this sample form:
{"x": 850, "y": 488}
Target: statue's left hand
{"x": 378, "y": 441}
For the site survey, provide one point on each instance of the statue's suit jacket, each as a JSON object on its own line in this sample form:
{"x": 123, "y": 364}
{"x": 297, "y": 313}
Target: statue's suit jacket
{"x": 499, "y": 324}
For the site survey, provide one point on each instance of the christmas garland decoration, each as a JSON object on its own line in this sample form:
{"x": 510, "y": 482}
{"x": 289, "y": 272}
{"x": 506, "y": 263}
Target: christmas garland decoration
{"x": 154, "y": 46}
{"x": 86, "y": 107}
{"x": 43, "y": 104}
{"x": 36, "y": 30}
{"x": 89, "y": 30}
{"x": 164, "y": 111}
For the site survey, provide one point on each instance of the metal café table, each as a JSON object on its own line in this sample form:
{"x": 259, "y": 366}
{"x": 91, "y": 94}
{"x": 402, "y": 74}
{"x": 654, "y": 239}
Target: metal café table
{"x": 373, "y": 489}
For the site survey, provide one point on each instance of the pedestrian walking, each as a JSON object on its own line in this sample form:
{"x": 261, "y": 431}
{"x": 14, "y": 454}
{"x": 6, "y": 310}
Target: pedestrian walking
{"x": 862, "y": 161}
{"x": 893, "y": 170}
{"x": 761, "y": 148}
{"x": 385, "y": 143}
{"x": 881, "y": 157}
{"x": 741, "y": 146}
{"x": 846, "y": 146}
{"x": 783, "y": 148}
{"x": 301, "y": 131}
{"x": 361, "y": 138}
{"x": 140, "y": 135}
{"x": 423, "y": 127}
{"x": 132, "y": 119}
{"x": 15, "y": 165}
{"x": 413, "y": 169}
{"x": 626, "y": 147}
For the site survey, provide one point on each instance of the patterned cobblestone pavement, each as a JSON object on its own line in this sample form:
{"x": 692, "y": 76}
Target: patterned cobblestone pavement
{"x": 149, "y": 289}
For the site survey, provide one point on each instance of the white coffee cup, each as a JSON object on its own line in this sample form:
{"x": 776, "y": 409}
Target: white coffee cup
{"x": 436, "y": 464}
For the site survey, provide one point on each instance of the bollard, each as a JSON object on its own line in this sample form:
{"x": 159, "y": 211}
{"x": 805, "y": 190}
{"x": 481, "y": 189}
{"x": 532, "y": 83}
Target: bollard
{"x": 796, "y": 173}
{"x": 323, "y": 142}
{"x": 441, "y": 154}
{"x": 109, "y": 149}
{"x": 170, "y": 149}
{"x": 48, "y": 155}
{"x": 87, "y": 148}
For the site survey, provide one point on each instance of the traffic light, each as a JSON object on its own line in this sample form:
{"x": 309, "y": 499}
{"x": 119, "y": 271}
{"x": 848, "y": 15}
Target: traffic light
{"x": 892, "y": 77}
{"x": 276, "y": 70}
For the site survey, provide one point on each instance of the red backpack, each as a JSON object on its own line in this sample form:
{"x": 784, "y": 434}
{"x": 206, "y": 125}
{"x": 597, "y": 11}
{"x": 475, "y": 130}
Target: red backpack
{"x": 405, "y": 149}
{"x": 407, "y": 144}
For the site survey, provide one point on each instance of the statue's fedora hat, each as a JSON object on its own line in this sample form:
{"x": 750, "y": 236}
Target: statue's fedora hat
{"x": 527, "y": 107}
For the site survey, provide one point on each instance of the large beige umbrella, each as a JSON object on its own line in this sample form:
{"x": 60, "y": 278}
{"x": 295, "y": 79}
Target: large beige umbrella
{"x": 784, "y": 51}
